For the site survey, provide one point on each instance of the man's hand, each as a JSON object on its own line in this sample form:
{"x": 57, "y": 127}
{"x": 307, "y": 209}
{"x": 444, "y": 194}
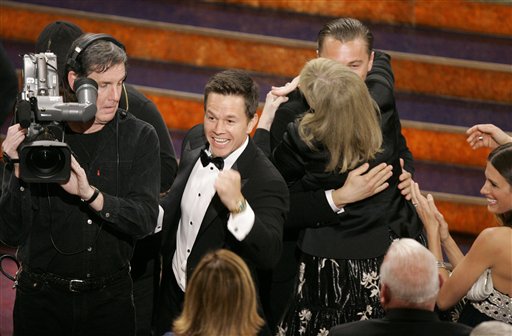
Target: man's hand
{"x": 405, "y": 182}
{"x": 228, "y": 187}
{"x": 78, "y": 183}
{"x": 15, "y": 136}
{"x": 486, "y": 135}
{"x": 359, "y": 185}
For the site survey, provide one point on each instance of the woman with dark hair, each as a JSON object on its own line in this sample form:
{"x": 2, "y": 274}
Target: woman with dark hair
{"x": 484, "y": 274}
{"x": 220, "y": 299}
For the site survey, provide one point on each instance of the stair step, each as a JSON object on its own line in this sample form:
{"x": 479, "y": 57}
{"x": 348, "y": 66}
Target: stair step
{"x": 451, "y": 111}
{"x": 417, "y": 40}
{"x": 219, "y": 49}
{"x": 469, "y": 16}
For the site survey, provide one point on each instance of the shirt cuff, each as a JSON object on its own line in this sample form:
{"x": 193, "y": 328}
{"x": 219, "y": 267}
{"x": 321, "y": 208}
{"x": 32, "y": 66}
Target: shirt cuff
{"x": 240, "y": 224}
{"x": 328, "y": 195}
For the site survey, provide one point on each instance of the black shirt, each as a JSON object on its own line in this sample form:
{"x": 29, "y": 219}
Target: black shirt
{"x": 56, "y": 232}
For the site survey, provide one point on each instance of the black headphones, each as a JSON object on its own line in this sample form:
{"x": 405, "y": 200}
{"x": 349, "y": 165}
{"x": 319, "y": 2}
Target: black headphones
{"x": 73, "y": 61}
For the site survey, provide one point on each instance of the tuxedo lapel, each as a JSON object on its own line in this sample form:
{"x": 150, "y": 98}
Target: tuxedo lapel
{"x": 189, "y": 156}
{"x": 243, "y": 178}
{"x": 216, "y": 210}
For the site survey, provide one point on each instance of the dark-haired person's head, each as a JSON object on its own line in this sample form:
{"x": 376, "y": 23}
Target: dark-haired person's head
{"x": 349, "y": 42}
{"x": 57, "y": 38}
{"x": 497, "y": 188}
{"x": 105, "y": 62}
{"x": 230, "y": 103}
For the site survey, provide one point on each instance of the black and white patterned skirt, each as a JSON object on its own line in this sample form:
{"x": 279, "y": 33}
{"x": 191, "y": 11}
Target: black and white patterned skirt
{"x": 330, "y": 292}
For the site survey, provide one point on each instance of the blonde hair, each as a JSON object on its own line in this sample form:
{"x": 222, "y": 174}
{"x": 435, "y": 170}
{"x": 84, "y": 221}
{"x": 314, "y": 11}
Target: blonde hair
{"x": 345, "y": 119}
{"x": 220, "y": 298}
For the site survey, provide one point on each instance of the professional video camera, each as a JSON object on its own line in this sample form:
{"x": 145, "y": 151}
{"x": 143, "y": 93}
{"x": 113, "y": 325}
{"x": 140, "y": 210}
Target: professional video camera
{"x": 44, "y": 157}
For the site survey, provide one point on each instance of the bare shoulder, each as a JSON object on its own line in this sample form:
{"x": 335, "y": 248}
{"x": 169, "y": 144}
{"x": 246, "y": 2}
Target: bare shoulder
{"x": 496, "y": 233}
{"x": 494, "y": 238}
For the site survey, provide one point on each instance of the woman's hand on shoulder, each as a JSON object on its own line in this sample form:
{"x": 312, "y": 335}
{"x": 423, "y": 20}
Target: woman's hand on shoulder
{"x": 361, "y": 184}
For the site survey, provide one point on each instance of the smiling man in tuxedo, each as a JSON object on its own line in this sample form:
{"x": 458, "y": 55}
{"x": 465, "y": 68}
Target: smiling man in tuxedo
{"x": 227, "y": 194}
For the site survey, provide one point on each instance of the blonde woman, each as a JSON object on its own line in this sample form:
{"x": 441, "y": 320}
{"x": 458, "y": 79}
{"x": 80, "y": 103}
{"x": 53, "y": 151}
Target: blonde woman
{"x": 338, "y": 278}
{"x": 220, "y": 299}
{"x": 491, "y": 250}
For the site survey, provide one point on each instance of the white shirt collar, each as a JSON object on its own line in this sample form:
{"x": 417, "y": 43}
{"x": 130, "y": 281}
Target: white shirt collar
{"x": 231, "y": 158}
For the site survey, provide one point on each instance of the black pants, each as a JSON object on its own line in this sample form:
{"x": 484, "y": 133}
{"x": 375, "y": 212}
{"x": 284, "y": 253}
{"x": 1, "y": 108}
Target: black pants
{"x": 41, "y": 309}
{"x": 145, "y": 273}
{"x": 170, "y": 303}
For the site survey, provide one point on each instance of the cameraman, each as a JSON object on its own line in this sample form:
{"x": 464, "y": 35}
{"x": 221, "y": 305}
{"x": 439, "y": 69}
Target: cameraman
{"x": 57, "y": 37}
{"x": 75, "y": 240}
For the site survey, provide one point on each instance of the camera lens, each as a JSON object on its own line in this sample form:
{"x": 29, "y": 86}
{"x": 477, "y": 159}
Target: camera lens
{"x": 45, "y": 162}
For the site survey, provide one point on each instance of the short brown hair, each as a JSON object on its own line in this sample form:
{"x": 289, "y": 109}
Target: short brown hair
{"x": 236, "y": 83}
{"x": 345, "y": 30}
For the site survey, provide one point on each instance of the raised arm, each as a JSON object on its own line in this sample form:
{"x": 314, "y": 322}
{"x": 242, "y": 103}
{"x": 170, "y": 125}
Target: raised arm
{"x": 380, "y": 81}
{"x": 486, "y": 135}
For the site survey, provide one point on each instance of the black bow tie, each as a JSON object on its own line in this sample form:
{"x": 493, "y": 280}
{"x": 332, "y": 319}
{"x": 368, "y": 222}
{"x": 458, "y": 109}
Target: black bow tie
{"x": 206, "y": 159}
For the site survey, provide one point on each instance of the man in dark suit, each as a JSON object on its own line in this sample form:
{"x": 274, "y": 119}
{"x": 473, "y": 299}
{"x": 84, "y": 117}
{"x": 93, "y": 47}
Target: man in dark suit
{"x": 227, "y": 194}
{"x": 408, "y": 291}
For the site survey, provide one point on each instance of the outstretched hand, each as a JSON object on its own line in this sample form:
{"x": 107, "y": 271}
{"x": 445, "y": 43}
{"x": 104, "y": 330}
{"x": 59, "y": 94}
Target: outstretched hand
{"x": 359, "y": 185}
{"x": 272, "y": 103}
{"x": 287, "y": 88}
{"x": 486, "y": 135}
{"x": 432, "y": 218}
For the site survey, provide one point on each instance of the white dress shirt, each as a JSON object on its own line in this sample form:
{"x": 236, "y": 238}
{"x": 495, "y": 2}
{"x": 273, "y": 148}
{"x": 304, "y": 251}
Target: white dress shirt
{"x": 196, "y": 198}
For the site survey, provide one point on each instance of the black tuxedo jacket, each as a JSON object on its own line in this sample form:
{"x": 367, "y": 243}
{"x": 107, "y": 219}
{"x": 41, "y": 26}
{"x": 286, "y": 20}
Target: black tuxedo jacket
{"x": 266, "y": 193}
{"x": 403, "y": 322}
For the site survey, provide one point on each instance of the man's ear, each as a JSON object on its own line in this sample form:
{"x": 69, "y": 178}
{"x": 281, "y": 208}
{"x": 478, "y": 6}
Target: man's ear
{"x": 252, "y": 123}
{"x": 441, "y": 281}
{"x": 71, "y": 79}
{"x": 370, "y": 63}
{"x": 385, "y": 295}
